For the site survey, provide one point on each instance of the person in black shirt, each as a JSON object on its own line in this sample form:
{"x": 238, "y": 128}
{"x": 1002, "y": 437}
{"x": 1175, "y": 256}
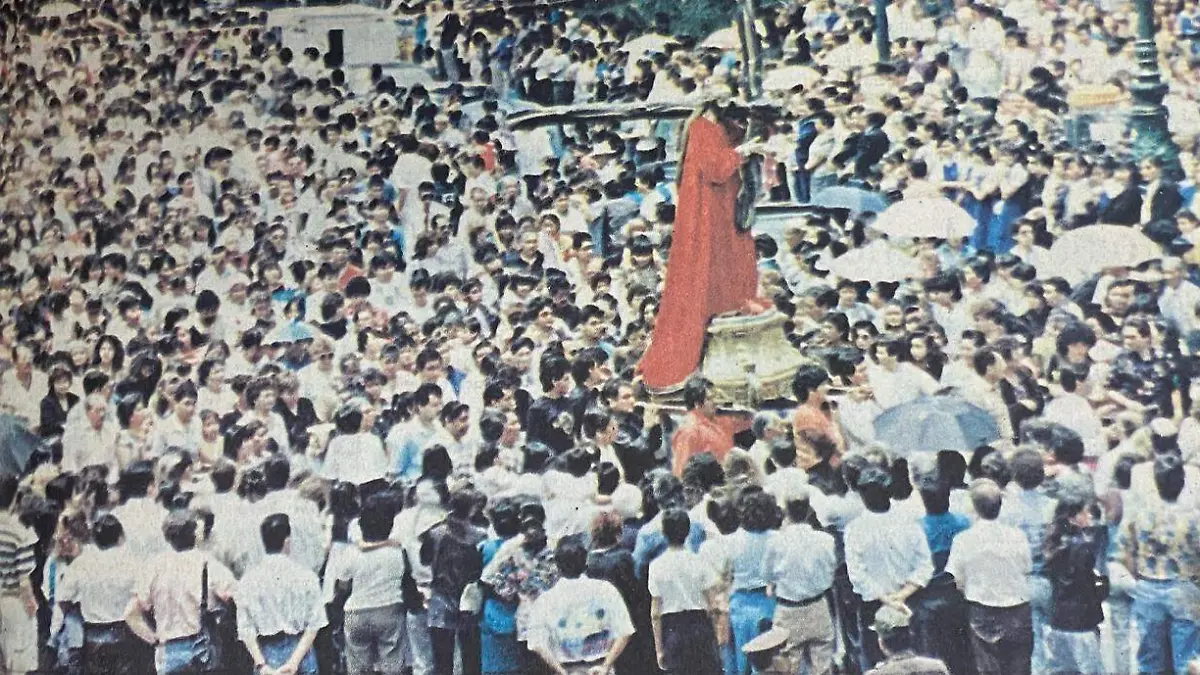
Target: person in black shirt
{"x": 297, "y": 412}
{"x": 57, "y": 403}
{"x": 448, "y": 50}
{"x": 1074, "y": 550}
{"x": 550, "y": 419}
{"x": 451, "y": 551}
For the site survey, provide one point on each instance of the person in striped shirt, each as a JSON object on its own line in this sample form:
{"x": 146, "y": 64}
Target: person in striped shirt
{"x": 18, "y": 605}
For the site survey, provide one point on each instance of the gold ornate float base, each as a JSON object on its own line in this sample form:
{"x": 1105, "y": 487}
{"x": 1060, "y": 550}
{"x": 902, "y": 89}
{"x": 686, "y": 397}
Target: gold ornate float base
{"x": 748, "y": 359}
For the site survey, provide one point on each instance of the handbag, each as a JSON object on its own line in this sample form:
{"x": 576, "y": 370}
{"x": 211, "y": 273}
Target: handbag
{"x": 472, "y": 598}
{"x": 206, "y": 650}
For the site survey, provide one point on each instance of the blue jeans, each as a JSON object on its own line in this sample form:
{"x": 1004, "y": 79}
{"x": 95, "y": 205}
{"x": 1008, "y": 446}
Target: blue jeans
{"x": 175, "y": 656}
{"x": 1119, "y": 610}
{"x": 1039, "y": 605}
{"x": 802, "y": 186}
{"x": 277, "y": 651}
{"x": 1167, "y": 637}
{"x": 746, "y": 610}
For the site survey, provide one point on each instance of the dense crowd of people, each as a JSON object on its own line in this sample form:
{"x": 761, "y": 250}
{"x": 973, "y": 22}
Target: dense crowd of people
{"x": 323, "y": 372}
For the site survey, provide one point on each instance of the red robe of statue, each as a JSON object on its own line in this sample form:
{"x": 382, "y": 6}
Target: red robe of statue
{"x": 711, "y": 268}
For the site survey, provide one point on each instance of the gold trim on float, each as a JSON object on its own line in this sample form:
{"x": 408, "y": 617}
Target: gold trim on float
{"x": 748, "y": 359}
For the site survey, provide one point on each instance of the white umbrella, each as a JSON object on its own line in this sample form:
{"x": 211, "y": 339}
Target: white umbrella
{"x": 1080, "y": 253}
{"x": 58, "y": 9}
{"x": 726, "y": 38}
{"x": 783, "y": 79}
{"x": 925, "y": 217}
{"x": 849, "y": 57}
{"x": 877, "y": 261}
{"x": 650, "y": 42}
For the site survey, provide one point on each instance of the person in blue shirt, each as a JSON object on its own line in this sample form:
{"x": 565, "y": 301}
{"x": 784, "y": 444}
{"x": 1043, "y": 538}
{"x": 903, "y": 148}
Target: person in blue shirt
{"x": 667, "y": 494}
{"x": 749, "y": 603}
{"x": 806, "y": 133}
{"x": 500, "y": 653}
{"x": 939, "y": 609}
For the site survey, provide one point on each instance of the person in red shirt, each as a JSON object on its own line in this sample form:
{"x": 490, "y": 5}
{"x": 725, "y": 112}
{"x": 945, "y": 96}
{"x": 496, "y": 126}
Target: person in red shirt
{"x": 811, "y": 422}
{"x": 700, "y": 430}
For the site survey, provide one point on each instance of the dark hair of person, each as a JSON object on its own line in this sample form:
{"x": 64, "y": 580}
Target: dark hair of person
{"x": 463, "y": 503}
{"x": 276, "y": 472}
{"x": 1060, "y": 526}
{"x": 605, "y": 529}
{"x": 936, "y": 499}
{"x": 876, "y": 496}
{"x": 436, "y": 463}
{"x": 806, "y": 380}
{"x": 608, "y": 478}
{"x": 505, "y": 517}
{"x": 571, "y": 558}
{"x": 675, "y": 526}
{"x": 724, "y": 515}
{"x": 852, "y": 467}
{"x": 1169, "y": 476}
{"x": 703, "y": 472}
{"x": 952, "y": 467}
{"x": 1123, "y": 471}
{"x": 223, "y": 476}
{"x": 107, "y": 531}
{"x": 275, "y": 530}
{"x": 375, "y": 520}
{"x": 695, "y": 392}
{"x": 180, "y": 532}
{"x": 1028, "y": 468}
{"x": 757, "y": 511}
{"x": 553, "y": 368}
{"x": 798, "y": 510}
{"x": 134, "y": 482}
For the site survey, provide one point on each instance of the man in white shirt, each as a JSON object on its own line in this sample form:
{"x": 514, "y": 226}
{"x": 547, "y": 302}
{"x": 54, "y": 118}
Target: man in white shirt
{"x": 1178, "y": 299}
{"x": 1074, "y": 411}
{"x": 91, "y": 441}
{"x": 375, "y": 613}
{"x": 23, "y": 387}
{"x": 140, "y": 514}
{"x": 182, "y": 429}
{"x": 99, "y": 583}
{"x": 170, "y": 585}
{"x": 979, "y": 388}
{"x": 887, "y": 556}
{"x": 800, "y": 563}
{"x": 306, "y": 539}
{"x": 686, "y": 611}
{"x": 580, "y": 626}
{"x": 991, "y": 563}
{"x": 280, "y": 608}
{"x": 1143, "y": 492}
{"x": 787, "y": 476}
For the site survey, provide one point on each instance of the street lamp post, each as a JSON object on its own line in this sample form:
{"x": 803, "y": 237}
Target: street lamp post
{"x": 883, "y": 43}
{"x": 1148, "y": 119}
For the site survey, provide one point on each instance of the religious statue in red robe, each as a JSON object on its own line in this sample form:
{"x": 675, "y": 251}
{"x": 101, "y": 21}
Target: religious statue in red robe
{"x": 711, "y": 267}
